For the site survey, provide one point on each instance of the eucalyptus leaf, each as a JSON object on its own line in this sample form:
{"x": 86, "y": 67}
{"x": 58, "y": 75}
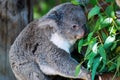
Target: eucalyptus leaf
{"x": 113, "y": 30}
{"x": 103, "y": 56}
{"x": 118, "y": 63}
{"x": 110, "y": 11}
{"x": 98, "y": 25}
{"x": 89, "y": 36}
{"x": 102, "y": 52}
{"x": 114, "y": 46}
{"x": 80, "y": 45}
{"x": 104, "y": 36}
{"x": 94, "y": 11}
{"x": 118, "y": 22}
{"x": 109, "y": 41}
{"x": 112, "y": 67}
{"x": 96, "y": 64}
{"x": 90, "y": 58}
{"x": 106, "y": 22}
{"x": 89, "y": 49}
{"x": 77, "y": 70}
{"x": 95, "y": 48}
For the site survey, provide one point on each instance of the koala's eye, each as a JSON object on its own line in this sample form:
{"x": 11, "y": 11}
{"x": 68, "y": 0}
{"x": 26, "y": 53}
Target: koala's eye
{"x": 75, "y": 27}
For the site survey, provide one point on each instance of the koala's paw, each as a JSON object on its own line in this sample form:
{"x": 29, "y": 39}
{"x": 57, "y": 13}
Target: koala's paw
{"x": 84, "y": 74}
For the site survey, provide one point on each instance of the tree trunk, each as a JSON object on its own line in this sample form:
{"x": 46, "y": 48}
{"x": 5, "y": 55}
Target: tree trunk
{"x": 14, "y": 16}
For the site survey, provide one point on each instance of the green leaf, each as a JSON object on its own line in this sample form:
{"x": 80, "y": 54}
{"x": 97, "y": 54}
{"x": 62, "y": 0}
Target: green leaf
{"x": 96, "y": 64}
{"x": 77, "y": 70}
{"x": 95, "y": 48}
{"x": 118, "y": 63}
{"x": 118, "y": 22}
{"x": 101, "y": 18}
{"x": 85, "y": 42}
{"x": 112, "y": 67}
{"x": 80, "y": 45}
{"x": 114, "y": 46}
{"x": 103, "y": 56}
{"x": 90, "y": 58}
{"x": 112, "y": 30}
{"x": 104, "y": 36}
{"x": 75, "y": 2}
{"x": 94, "y": 11}
{"x": 106, "y": 22}
{"x": 89, "y": 36}
{"x": 97, "y": 26}
{"x": 102, "y": 52}
{"x": 89, "y": 64}
{"x": 110, "y": 11}
{"x": 89, "y": 39}
{"x": 113, "y": 15}
{"x": 91, "y": 55}
{"x": 89, "y": 49}
{"x": 109, "y": 41}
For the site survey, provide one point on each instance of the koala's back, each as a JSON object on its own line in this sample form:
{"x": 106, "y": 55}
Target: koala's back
{"x": 23, "y": 52}
{"x": 32, "y": 43}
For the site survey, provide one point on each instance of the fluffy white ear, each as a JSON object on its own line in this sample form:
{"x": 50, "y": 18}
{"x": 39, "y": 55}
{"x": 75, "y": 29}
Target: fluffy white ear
{"x": 47, "y": 23}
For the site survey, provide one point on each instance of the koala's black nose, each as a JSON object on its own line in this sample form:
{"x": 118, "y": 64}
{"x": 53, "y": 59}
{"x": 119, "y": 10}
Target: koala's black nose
{"x": 85, "y": 29}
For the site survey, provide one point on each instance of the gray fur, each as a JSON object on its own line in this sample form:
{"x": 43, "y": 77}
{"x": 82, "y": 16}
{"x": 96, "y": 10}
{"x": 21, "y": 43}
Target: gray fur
{"x": 32, "y": 52}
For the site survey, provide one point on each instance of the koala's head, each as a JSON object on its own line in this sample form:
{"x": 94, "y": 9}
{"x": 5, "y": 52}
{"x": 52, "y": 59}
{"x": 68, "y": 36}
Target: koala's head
{"x": 70, "y": 19}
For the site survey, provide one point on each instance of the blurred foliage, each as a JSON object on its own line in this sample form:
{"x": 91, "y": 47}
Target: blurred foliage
{"x": 41, "y": 7}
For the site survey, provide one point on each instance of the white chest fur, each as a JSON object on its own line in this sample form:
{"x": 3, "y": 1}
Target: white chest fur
{"x": 60, "y": 42}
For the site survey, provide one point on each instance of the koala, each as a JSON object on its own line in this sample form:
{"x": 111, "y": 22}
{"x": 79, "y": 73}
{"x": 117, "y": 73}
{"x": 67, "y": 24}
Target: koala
{"x": 42, "y": 50}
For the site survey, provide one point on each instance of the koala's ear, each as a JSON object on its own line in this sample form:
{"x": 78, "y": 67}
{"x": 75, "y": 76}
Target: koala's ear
{"x": 47, "y": 23}
{"x": 56, "y": 15}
